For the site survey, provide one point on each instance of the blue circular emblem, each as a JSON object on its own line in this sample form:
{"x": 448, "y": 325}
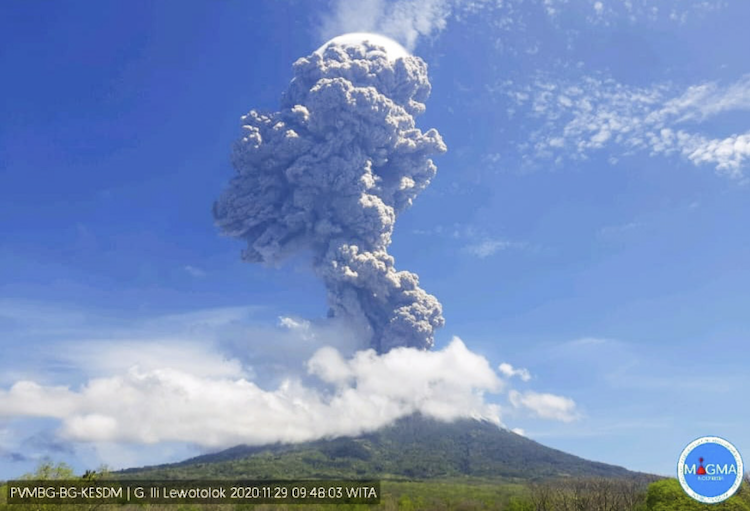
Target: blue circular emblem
{"x": 710, "y": 469}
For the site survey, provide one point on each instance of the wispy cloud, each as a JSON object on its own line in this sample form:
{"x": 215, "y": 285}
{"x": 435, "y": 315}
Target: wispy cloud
{"x": 199, "y": 358}
{"x": 519, "y": 431}
{"x": 582, "y": 117}
{"x": 509, "y": 371}
{"x": 609, "y": 231}
{"x": 473, "y": 240}
{"x": 608, "y": 12}
{"x": 589, "y": 341}
{"x": 642, "y": 377}
{"x": 45, "y": 321}
{"x": 488, "y": 247}
{"x": 607, "y": 428}
{"x": 30, "y": 313}
{"x": 209, "y": 317}
{"x": 409, "y": 20}
{"x": 544, "y": 405}
{"x": 403, "y": 20}
{"x": 194, "y": 271}
{"x": 301, "y": 326}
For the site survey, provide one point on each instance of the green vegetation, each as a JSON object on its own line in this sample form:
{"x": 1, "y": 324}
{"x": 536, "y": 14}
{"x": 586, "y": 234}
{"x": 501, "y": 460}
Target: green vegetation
{"x": 623, "y": 495}
{"x": 413, "y": 448}
{"x": 48, "y": 471}
{"x": 667, "y": 495}
{"x": 423, "y": 465}
{"x": 462, "y": 494}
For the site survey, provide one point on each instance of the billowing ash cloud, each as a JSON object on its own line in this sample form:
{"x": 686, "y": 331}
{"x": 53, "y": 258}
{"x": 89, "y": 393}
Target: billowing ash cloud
{"x": 329, "y": 172}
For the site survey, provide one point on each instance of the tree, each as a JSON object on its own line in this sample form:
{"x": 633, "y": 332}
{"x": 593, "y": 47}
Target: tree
{"x": 542, "y": 496}
{"x": 668, "y": 495}
{"x": 48, "y": 471}
{"x": 744, "y": 492}
{"x": 517, "y": 504}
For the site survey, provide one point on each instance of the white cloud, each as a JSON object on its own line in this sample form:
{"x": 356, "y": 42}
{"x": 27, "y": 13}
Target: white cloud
{"x": 594, "y": 113}
{"x": 409, "y": 20}
{"x": 194, "y": 271}
{"x": 545, "y": 406}
{"x": 199, "y": 358}
{"x": 519, "y": 431}
{"x": 29, "y": 313}
{"x": 202, "y": 318}
{"x": 32, "y": 400}
{"x": 635, "y": 11}
{"x": 477, "y": 242}
{"x": 488, "y": 247}
{"x": 403, "y": 20}
{"x": 702, "y": 101}
{"x": 366, "y": 391}
{"x": 589, "y": 341}
{"x": 211, "y": 378}
{"x": 43, "y": 322}
{"x": 727, "y": 154}
{"x": 222, "y": 341}
{"x": 294, "y": 323}
{"x": 302, "y": 327}
{"x": 509, "y": 371}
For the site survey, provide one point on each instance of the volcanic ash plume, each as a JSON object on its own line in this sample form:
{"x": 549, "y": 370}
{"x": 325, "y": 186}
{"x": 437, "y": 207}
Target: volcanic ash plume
{"x": 329, "y": 172}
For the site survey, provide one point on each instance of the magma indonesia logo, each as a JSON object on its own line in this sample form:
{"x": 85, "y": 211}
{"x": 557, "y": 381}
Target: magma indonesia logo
{"x": 710, "y": 469}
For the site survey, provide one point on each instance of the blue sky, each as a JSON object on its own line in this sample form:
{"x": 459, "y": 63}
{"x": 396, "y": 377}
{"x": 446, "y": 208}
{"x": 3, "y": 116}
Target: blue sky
{"x": 587, "y": 224}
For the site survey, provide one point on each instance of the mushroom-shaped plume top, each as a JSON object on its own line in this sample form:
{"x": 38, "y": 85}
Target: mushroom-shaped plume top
{"x": 393, "y": 50}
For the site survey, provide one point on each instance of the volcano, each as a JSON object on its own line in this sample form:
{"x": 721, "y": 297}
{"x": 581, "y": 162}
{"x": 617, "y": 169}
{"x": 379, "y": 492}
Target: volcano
{"x": 412, "y": 448}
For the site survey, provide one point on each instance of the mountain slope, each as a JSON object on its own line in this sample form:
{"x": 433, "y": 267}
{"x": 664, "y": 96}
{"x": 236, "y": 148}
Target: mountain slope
{"x": 412, "y": 448}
